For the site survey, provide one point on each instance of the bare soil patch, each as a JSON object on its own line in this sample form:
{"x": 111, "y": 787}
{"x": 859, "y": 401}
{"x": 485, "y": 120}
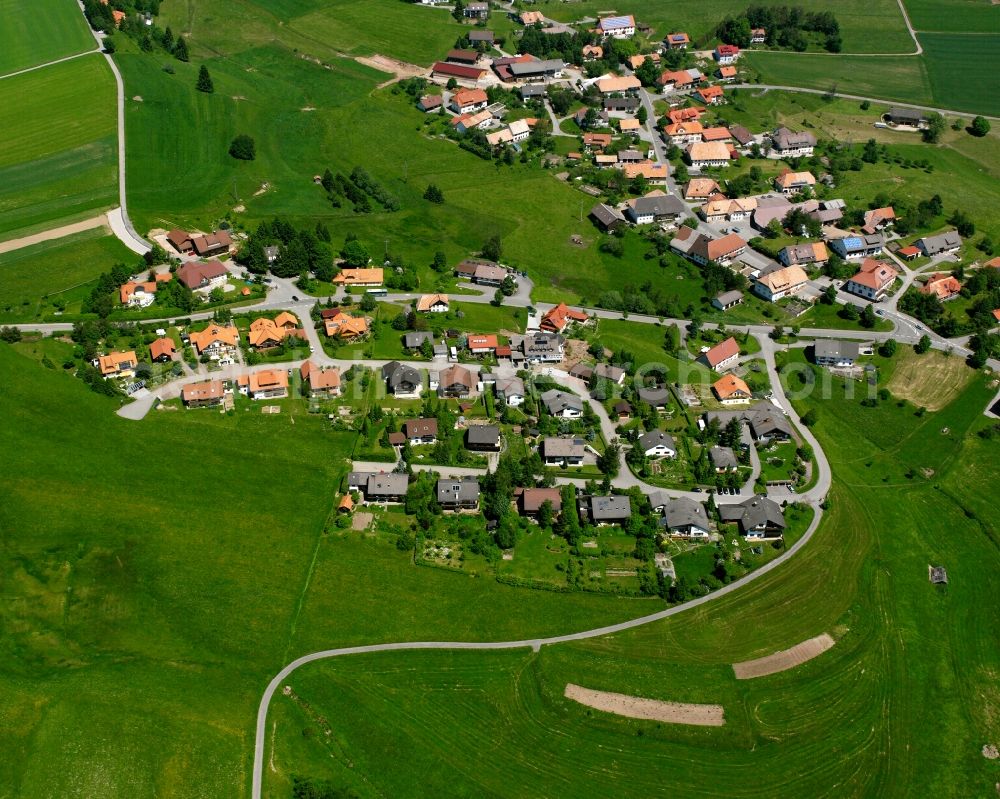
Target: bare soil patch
{"x": 361, "y": 521}
{"x": 637, "y": 707}
{"x": 784, "y": 659}
{"x": 931, "y": 380}
{"x": 383, "y": 63}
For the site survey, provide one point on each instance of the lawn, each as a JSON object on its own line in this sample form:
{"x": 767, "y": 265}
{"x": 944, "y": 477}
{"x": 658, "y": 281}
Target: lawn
{"x": 139, "y": 619}
{"x": 57, "y": 145}
{"x": 50, "y": 29}
{"x": 36, "y": 280}
{"x": 903, "y": 645}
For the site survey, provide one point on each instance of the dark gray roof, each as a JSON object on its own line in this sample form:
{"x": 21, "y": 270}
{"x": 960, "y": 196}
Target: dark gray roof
{"x": 557, "y": 401}
{"x": 532, "y": 90}
{"x": 905, "y": 114}
{"x": 833, "y": 348}
{"x": 606, "y": 215}
{"x": 685, "y": 512}
{"x": 659, "y": 205}
{"x": 722, "y": 458}
{"x": 754, "y": 512}
{"x": 481, "y": 36}
{"x": 510, "y": 386}
{"x": 483, "y": 434}
{"x": 785, "y": 139}
{"x": 942, "y": 242}
{"x": 414, "y": 340}
{"x": 610, "y": 508}
{"x": 396, "y": 374}
{"x": 521, "y": 68}
{"x": 608, "y": 372}
{"x": 728, "y": 297}
{"x": 542, "y": 344}
{"x": 657, "y": 397}
{"x": 451, "y": 491}
{"x": 381, "y": 485}
{"x": 621, "y": 103}
{"x": 562, "y": 447}
{"x": 655, "y": 438}
{"x": 764, "y": 417}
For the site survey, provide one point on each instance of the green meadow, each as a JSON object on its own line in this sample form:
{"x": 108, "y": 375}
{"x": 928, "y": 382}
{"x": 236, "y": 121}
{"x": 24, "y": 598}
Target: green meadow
{"x": 853, "y": 722}
{"x": 58, "y": 148}
{"x": 34, "y": 279}
{"x": 39, "y": 32}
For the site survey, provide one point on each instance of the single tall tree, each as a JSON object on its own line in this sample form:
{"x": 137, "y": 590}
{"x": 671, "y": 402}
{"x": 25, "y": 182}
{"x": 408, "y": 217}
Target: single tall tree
{"x": 204, "y": 81}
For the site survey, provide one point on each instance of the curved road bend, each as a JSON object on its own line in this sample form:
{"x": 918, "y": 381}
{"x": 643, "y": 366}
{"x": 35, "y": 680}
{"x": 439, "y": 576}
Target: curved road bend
{"x": 533, "y": 643}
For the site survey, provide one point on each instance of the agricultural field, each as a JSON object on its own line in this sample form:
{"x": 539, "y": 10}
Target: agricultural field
{"x": 58, "y": 148}
{"x": 902, "y": 645}
{"x": 56, "y": 275}
{"x": 54, "y": 29}
{"x": 957, "y": 16}
{"x": 954, "y": 69}
{"x": 931, "y": 380}
{"x": 875, "y": 27}
{"x": 135, "y": 610}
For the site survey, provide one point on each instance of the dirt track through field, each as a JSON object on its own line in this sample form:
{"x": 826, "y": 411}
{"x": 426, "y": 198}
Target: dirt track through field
{"x": 637, "y": 707}
{"x": 783, "y": 660}
{"x": 398, "y": 68}
{"x": 55, "y": 233}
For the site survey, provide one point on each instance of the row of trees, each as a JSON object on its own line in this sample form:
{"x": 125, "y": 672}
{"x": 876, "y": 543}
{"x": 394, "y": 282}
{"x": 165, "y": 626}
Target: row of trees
{"x": 785, "y": 27}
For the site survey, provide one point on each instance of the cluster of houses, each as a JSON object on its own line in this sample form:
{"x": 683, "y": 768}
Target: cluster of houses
{"x": 199, "y": 276}
{"x": 261, "y": 384}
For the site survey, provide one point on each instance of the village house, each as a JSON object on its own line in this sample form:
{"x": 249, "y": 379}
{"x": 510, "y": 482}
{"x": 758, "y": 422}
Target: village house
{"x": 402, "y": 381}
{"x": 835, "y": 353}
{"x": 726, "y": 54}
{"x": 781, "y": 283}
{"x": 726, "y": 74}
{"x": 757, "y": 517}
{"x": 483, "y": 438}
{"x": 141, "y": 294}
{"x": 728, "y": 299}
{"x": 162, "y": 350}
{"x": 723, "y": 459}
{"x": 432, "y": 303}
{"x": 622, "y": 27}
{"x": 532, "y": 91}
{"x": 684, "y": 133}
{"x": 556, "y": 319}
{"x": 476, "y": 10}
{"x": 941, "y": 244}
{"x": 628, "y": 105}
{"x": 381, "y": 487}
{"x": 766, "y": 421}
{"x": 685, "y": 518}
{"x": 718, "y": 133}
{"x": 944, "y": 287}
{"x": 510, "y": 390}
{"x": 655, "y": 207}
{"x": 430, "y": 103}
{"x": 531, "y": 500}
{"x": 857, "y": 247}
{"x": 603, "y": 511}
{"x": 722, "y": 251}
{"x": 636, "y": 61}
{"x": 707, "y": 154}
{"x": 758, "y": 35}
{"x": 657, "y": 444}
{"x": 359, "y": 277}
{"x": 562, "y": 452}
{"x": 420, "y": 431}
{"x": 477, "y": 121}
{"x": 204, "y": 394}
{"x": 789, "y": 182}
{"x": 905, "y": 117}
{"x": 607, "y": 218}
{"x": 265, "y": 384}
{"x": 215, "y": 243}
{"x": 203, "y": 276}
{"x": 878, "y": 219}
{"x": 117, "y": 364}
{"x": 701, "y": 189}
{"x": 537, "y": 69}
{"x": 676, "y": 41}
{"x": 459, "y": 56}
{"x": 787, "y": 144}
{"x": 320, "y": 381}
{"x": 719, "y": 209}
{"x": 592, "y": 52}
{"x": 807, "y": 253}
{"x": 455, "y": 381}
{"x": 487, "y": 274}
{"x": 265, "y": 333}
{"x": 480, "y": 344}
{"x": 614, "y": 374}
{"x": 722, "y": 356}
{"x": 873, "y": 280}
{"x": 215, "y": 340}
{"x": 711, "y": 95}
{"x": 732, "y": 390}
{"x": 458, "y": 493}
{"x": 652, "y": 172}
{"x": 562, "y": 404}
{"x": 542, "y": 347}
{"x": 626, "y": 85}
{"x": 345, "y": 327}
{"x": 414, "y": 340}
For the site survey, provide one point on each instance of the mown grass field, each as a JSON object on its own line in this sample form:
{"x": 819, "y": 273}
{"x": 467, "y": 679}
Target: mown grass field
{"x": 853, "y": 722}
{"x": 33, "y": 278}
{"x": 955, "y": 70}
{"x": 953, "y": 15}
{"x": 866, "y": 27}
{"x": 57, "y": 145}
{"x": 155, "y": 579}
{"x": 39, "y": 33}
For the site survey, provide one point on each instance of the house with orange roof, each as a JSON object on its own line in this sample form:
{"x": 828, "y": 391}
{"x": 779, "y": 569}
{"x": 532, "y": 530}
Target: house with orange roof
{"x": 781, "y": 283}
{"x": 359, "y": 277}
{"x": 713, "y": 153}
{"x": 722, "y": 251}
{"x": 807, "y": 253}
{"x": 320, "y": 381}
{"x": 879, "y": 219}
{"x": 675, "y": 79}
{"x": 479, "y": 344}
{"x": 138, "y": 295}
{"x": 701, "y": 189}
{"x": 162, "y": 350}
{"x": 676, "y": 41}
{"x": 433, "y": 303}
{"x": 873, "y": 279}
{"x": 627, "y": 85}
{"x": 265, "y": 384}
{"x": 345, "y": 327}
{"x": 722, "y": 356}
{"x": 596, "y": 141}
{"x": 118, "y": 364}
{"x": 726, "y": 73}
{"x": 711, "y": 95}
{"x": 789, "y": 182}
{"x": 266, "y": 333}
{"x": 556, "y": 319}
{"x": 592, "y": 52}
{"x": 732, "y": 390}
{"x": 692, "y": 114}
{"x": 945, "y": 287}
{"x": 681, "y": 133}
{"x": 531, "y": 17}
{"x": 468, "y": 101}
{"x": 119, "y": 17}
{"x": 637, "y": 61}
{"x": 204, "y": 394}
{"x": 630, "y": 126}
{"x": 716, "y": 134}
{"x": 215, "y": 340}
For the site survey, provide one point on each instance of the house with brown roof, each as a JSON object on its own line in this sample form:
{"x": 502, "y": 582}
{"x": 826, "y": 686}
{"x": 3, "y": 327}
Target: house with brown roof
{"x": 215, "y": 340}
{"x": 467, "y": 57}
{"x": 701, "y": 189}
{"x": 596, "y": 141}
{"x": 732, "y": 390}
{"x": 879, "y": 219}
{"x": 204, "y": 394}
{"x": 162, "y": 350}
{"x": 789, "y": 182}
{"x": 265, "y": 384}
{"x": 433, "y": 303}
{"x": 455, "y": 381}
{"x": 320, "y": 381}
{"x": 217, "y": 243}
{"x": 180, "y": 240}
{"x": 781, "y": 283}
{"x": 359, "y": 277}
{"x": 723, "y": 251}
{"x": 717, "y": 133}
{"x": 420, "y": 431}
{"x": 556, "y": 319}
{"x": 118, "y": 364}
{"x": 203, "y": 276}
{"x": 873, "y": 280}
{"x": 704, "y": 154}
{"x": 468, "y": 75}
{"x": 626, "y": 85}
{"x": 722, "y": 356}
{"x": 943, "y": 286}
{"x": 430, "y": 103}
{"x": 532, "y": 499}
{"x": 807, "y": 253}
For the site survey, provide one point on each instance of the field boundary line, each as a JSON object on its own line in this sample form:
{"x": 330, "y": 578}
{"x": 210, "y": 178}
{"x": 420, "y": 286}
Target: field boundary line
{"x": 50, "y": 63}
